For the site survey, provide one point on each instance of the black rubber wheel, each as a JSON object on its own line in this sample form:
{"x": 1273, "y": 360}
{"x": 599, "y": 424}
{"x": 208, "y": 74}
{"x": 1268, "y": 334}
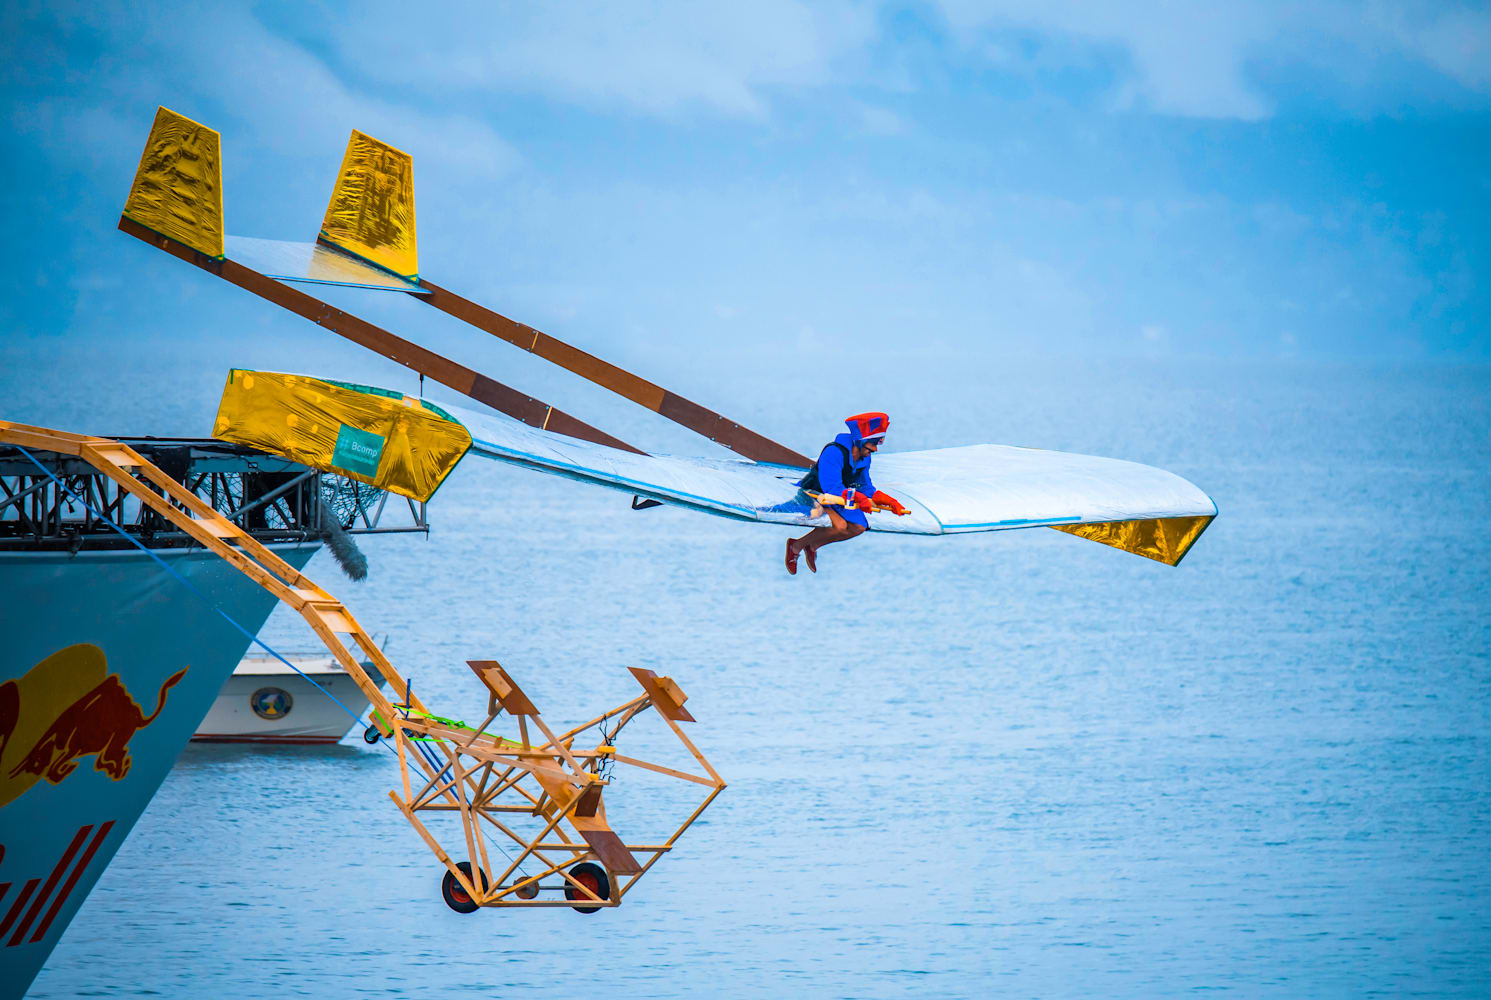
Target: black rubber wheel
{"x": 455, "y": 894}
{"x": 593, "y": 877}
{"x": 371, "y": 735}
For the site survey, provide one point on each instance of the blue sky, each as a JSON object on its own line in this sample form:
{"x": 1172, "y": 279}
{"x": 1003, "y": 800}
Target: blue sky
{"x": 1048, "y": 178}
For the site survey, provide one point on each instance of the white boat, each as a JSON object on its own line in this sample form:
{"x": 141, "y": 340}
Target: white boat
{"x": 266, "y": 701}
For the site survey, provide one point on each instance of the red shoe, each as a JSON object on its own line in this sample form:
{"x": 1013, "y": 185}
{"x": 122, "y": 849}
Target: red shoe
{"x": 812, "y": 557}
{"x": 791, "y": 556}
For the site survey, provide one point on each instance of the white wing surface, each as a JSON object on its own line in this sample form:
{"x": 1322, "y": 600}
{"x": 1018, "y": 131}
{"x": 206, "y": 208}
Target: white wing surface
{"x": 948, "y": 490}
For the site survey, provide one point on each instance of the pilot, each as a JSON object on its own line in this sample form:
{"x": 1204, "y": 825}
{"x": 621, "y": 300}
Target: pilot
{"x": 843, "y": 471}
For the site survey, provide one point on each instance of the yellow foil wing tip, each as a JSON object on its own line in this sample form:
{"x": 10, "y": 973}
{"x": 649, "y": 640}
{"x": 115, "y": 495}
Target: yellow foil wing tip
{"x": 178, "y": 188}
{"x": 1165, "y": 539}
{"x": 371, "y": 213}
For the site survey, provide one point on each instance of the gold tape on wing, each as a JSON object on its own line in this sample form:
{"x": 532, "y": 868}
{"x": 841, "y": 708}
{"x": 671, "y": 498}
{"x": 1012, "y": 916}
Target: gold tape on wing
{"x": 178, "y": 188}
{"x": 1163, "y": 539}
{"x": 371, "y": 213}
{"x": 314, "y": 422}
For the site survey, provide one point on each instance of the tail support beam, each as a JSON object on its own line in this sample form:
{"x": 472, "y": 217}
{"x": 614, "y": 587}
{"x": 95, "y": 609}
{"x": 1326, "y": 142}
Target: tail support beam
{"x": 502, "y": 398}
{"x": 699, "y": 419}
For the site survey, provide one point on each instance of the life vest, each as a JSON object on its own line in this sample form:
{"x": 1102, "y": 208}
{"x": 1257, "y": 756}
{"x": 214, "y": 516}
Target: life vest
{"x": 851, "y": 477}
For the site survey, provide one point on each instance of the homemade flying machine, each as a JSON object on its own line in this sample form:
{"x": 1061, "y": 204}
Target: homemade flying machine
{"x": 367, "y": 241}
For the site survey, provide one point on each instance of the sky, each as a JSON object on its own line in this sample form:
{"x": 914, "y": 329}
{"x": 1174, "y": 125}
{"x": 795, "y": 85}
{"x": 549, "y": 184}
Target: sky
{"x": 781, "y": 179}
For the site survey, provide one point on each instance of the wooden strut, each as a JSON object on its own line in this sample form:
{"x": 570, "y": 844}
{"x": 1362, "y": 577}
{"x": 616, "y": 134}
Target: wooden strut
{"x": 684, "y": 412}
{"x": 468, "y": 382}
{"x": 566, "y": 784}
{"x": 505, "y": 399}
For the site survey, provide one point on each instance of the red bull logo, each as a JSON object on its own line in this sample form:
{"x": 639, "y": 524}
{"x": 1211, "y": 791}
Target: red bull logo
{"x": 64, "y": 709}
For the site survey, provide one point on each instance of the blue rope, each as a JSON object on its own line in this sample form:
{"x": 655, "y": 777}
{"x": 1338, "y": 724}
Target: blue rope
{"x": 188, "y": 584}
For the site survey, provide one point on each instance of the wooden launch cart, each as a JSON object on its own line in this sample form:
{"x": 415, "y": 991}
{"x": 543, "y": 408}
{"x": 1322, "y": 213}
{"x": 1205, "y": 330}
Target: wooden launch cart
{"x": 543, "y": 792}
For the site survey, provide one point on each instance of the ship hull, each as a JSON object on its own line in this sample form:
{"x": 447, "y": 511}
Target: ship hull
{"x": 108, "y": 664}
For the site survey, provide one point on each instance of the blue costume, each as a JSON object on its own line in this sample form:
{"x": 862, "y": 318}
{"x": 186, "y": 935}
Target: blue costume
{"x": 836, "y": 471}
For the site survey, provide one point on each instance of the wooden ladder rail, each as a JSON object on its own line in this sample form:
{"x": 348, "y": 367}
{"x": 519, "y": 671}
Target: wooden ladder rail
{"x": 326, "y": 615}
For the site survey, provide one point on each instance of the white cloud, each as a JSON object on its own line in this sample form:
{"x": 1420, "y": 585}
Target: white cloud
{"x": 663, "y": 58}
{"x": 879, "y": 121}
{"x": 1196, "y": 60}
{"x": 267, "y": 94}
{"x": 1184, "y": 59}
{"x": 1457, "y": 41}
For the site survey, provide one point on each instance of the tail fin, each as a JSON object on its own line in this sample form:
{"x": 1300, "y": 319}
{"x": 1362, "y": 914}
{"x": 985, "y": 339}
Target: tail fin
{"x": 178, "y": 188}
{"x": 371, "y": 213}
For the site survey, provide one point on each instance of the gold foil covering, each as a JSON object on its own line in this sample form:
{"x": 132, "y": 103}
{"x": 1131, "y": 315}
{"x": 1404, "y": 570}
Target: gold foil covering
{"x": 385, "y": 439}
{"x": 1165, "y": 539}
{"x": 371, "y": 213}
{"x": 178, "y": 188}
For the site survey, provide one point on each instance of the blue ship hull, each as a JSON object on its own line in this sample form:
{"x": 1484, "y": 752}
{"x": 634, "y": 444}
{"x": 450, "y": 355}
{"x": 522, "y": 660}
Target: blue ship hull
{"x": 108, "y": 664}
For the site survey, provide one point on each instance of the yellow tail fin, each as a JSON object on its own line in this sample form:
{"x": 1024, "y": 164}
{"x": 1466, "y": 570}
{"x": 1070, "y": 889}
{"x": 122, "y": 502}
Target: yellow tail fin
{"x": 371, "y": 213}
{"x": 178, "y": 188}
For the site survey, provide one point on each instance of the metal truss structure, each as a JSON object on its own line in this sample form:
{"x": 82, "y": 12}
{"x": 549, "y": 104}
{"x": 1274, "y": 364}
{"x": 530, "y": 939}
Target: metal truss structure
{"x": 273, "y": 499}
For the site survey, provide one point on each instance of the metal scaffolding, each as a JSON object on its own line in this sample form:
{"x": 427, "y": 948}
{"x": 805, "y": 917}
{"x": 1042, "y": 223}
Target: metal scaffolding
{"x": 271, "y": 498}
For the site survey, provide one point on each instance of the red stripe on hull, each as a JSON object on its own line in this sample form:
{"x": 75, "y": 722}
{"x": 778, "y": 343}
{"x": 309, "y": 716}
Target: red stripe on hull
{"x": 20, "y": 902}
{"x": 217, "y": 738}
{"x": 72, "y": 880}
{"x": 46, "y": 890}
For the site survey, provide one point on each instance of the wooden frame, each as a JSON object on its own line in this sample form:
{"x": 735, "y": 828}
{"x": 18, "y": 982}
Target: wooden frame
{"x": 539, "y": 792}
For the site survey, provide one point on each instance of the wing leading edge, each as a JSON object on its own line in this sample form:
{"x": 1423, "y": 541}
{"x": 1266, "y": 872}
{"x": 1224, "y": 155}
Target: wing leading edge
{"x": 1137, "y": 508}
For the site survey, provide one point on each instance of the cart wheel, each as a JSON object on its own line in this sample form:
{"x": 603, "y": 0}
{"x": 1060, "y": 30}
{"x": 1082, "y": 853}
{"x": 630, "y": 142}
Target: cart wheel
{"x": 591, "y": 876}
{"x": 371, "y": 735}
{"x": 455, "y": 894}
{"x": 529, "y": 891}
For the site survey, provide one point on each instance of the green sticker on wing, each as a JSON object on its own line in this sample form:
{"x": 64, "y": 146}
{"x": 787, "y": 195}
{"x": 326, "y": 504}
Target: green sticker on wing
{"x": 358, "y": 451}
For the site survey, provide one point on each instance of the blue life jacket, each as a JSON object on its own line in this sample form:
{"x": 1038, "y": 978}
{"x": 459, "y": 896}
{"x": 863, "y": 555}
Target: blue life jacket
{"x": 851, "y": 477}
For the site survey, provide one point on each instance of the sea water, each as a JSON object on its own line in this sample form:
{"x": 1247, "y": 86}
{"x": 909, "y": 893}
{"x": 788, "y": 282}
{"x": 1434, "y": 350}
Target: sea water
{"x": 1012, "y": 764}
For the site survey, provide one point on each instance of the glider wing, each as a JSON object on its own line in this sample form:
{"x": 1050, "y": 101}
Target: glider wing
{"x": 949, "y": 490}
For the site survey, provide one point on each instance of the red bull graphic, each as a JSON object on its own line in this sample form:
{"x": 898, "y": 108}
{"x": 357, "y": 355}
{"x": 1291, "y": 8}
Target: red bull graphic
{"x": 24, "y": 919}
{"x": 65, "y": 708}
{"x": 94, "y": 707}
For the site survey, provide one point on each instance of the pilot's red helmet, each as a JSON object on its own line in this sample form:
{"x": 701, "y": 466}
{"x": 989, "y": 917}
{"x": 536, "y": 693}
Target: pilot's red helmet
{"x": 867, "y": 426}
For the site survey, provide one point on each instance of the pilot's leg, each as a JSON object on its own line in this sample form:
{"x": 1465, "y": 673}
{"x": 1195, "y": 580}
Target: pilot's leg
{"x": 841, "y": 527}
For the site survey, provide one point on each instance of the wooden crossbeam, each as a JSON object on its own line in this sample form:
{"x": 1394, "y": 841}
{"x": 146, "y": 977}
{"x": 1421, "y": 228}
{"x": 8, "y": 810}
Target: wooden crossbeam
{"x": 505, "y": 399}
{"x": 683, "y": 412}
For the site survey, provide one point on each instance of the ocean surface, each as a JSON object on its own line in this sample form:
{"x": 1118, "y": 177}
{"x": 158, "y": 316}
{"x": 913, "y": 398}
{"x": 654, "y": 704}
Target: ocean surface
{"x": 1013, "y": 764}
